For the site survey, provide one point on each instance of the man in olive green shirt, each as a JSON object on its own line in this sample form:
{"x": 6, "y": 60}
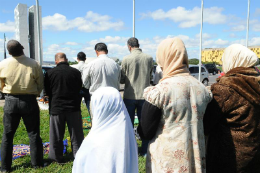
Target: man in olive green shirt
{"x": 21, "y": 81}
{"x": 136, "y": 75}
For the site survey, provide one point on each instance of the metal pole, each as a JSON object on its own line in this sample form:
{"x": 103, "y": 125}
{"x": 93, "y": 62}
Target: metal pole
{"x": 133, "y": 18}
{"x": 39, "y": 32}
{"x": 4, "y": 47}
{"x": 201, "y": 39}
{"x": 247, "y": 30}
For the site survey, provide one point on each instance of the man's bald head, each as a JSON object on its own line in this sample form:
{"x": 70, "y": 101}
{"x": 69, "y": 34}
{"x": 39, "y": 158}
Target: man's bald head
{"x": 15, "y": 48}
{"x": 60, "y": 57}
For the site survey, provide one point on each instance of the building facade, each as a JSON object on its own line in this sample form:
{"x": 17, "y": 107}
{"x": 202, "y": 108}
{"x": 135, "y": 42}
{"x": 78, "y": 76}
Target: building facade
{"x": 215, "y": 55}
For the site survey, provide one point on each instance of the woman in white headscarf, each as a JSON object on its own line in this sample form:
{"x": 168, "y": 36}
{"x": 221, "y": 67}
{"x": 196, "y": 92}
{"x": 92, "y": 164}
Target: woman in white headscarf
{"x": 232, "y": 118}
{"x": 110, "y": 147}
{"x": 172, "y": 114}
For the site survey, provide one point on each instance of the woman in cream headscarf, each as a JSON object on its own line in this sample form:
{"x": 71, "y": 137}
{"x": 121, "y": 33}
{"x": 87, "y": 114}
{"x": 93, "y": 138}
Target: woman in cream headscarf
{"x": 110, "y": 147}
{"x": 172, "y": 114}
{"x": 232, "y": 119}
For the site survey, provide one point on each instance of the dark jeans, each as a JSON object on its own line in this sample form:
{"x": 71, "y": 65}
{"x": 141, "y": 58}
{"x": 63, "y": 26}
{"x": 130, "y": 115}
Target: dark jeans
{"x": 57, "y": 130}
{"x": 131, "y": 105}
{"x": 17, "y": 107}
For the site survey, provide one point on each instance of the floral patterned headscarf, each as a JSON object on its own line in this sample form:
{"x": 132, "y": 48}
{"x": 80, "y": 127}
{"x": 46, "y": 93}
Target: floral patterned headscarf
{"x": 172, "y": 57}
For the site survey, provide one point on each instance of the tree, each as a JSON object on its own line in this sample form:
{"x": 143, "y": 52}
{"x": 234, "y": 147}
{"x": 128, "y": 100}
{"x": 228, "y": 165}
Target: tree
{"x": 71, "y": 62}
{"x": 194, "y": 61}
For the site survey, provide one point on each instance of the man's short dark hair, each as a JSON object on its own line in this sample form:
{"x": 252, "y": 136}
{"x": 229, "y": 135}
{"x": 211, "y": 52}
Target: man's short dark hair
{"x": 15, "y": 48}
{"x": 133, "y": 42}
{"x": 101, "y": 47}
{"x": 81, "y": 56}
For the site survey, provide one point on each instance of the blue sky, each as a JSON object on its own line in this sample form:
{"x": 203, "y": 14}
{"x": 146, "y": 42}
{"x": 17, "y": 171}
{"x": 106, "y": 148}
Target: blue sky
{"x": 71, "y": 26}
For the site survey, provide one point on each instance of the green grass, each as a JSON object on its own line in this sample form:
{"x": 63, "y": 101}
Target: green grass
{"x": 22, "y": 165}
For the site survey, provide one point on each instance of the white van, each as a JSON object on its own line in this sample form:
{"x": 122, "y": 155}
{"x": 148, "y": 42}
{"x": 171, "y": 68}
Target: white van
{"x": 194, "y": 71}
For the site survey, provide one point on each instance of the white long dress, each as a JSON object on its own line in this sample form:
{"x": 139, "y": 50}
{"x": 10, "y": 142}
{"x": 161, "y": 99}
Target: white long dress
{"x": 110, "y": 147}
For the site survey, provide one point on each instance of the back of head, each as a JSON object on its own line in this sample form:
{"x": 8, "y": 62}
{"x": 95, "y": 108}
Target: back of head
{"x": 172, "y": 56}
{"x": 60, "y": 57}
{"x": 237, "y": 55}
{"x": 133, "y": 42}
{"x": 15, "y": 48}
{"x": 101, "y": 47}
{"x": 81, "y": 56}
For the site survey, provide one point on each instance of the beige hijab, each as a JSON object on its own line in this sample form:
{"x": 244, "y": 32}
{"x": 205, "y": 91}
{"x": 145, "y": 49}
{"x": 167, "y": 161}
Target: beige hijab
{"x": 172, "y": 56}
{"x": 237, "y": 55}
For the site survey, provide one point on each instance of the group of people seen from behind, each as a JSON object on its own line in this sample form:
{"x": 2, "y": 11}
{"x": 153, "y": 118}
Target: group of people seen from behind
{"x": 184, "y": 126}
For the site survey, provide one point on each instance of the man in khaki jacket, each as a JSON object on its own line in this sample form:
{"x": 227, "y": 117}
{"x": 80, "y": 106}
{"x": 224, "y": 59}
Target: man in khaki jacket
{"x": 136, "y": 75}
{"x": 21, "y": 81}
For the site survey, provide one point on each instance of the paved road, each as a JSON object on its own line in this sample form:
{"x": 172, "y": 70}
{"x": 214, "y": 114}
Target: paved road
{"x": 212, "y": 78}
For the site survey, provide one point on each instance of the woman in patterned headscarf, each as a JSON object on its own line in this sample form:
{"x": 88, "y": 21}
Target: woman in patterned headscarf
{"x": 172, "y": 114}
{"x": 232, "y": 119}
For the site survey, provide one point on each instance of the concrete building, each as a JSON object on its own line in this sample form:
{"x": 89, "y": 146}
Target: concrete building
{"x": 33, "y": 33}
{"x": 21, "y": 26}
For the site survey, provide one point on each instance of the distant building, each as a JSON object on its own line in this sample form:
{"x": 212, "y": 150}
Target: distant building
{"x": 215, "y": 55}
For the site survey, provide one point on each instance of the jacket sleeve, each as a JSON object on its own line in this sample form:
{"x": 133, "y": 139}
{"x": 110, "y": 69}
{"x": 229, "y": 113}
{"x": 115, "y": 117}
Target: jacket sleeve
{"x": 151, "y": 116}
{"x": 216, "y": 108}
{"x": 47, "y": 85}
{"x": 123, "y": 70}
{"x": 39, "y": 79}
{"x": 86, "y": 79}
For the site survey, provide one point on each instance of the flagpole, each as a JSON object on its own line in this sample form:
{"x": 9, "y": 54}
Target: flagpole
{"x": 39, "y": 32}
{"x": 247, "y": 30}
{"x": 133, "y": 18}
{"x": 4, "y": 47}
{"x": 201, "y": 39}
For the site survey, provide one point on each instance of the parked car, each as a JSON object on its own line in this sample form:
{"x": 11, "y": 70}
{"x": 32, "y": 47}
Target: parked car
{"x": 194, "y": 71}
{"x": 45, "y": 68}
{"x": 212, "y": 68}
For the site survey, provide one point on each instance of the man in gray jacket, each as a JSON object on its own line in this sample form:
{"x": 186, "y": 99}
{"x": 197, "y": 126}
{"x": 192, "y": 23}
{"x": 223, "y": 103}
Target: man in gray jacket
{"x": 136, "y": 75}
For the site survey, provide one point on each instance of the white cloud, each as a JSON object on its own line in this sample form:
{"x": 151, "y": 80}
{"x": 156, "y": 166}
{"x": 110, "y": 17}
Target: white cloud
{"x": 232, "y": 35}
{"x": 71, "y": 43}
{"x": 109, "y": 39}
{"x": 257, "y": 12}
{"x": 189, "y": 18}
{"x": 8, "y": 26}
{"x": 52, "y": 49}
{"x": 255, "y": 24}
{"x": 92, "y": 22}
{"x": 238, "y": 28}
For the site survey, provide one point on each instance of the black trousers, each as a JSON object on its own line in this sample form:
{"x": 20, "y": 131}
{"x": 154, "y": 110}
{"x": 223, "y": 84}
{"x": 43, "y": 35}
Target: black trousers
{"x": 17, "y": 107}
{"x": 57, "y": 130}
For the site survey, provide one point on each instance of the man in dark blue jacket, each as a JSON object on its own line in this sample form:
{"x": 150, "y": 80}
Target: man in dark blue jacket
{"x": 62, "y": 85}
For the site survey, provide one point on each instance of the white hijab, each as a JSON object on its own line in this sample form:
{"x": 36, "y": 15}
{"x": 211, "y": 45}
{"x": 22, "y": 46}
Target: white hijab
{"x": 110, "y": 147}
{"x": 237, "y": 55}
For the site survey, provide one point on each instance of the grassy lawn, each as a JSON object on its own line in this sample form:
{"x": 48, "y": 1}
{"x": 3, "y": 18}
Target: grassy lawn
{"x": 22, "y": 165}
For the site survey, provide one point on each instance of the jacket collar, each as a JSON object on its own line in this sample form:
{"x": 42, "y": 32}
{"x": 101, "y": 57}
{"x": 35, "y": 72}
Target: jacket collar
{"x": 135, "y": 50}
{"x": 103, "y": 56}
{"x": 63, "y": 63}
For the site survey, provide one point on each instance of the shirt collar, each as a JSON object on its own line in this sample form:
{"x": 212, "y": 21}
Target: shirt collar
{"x": 81, "y": 62}
{"x": 136, "y": 50}
{"x": 63, "y": 63}
{"x": 103, "y": 56}
{"x": 22, "y": 56}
